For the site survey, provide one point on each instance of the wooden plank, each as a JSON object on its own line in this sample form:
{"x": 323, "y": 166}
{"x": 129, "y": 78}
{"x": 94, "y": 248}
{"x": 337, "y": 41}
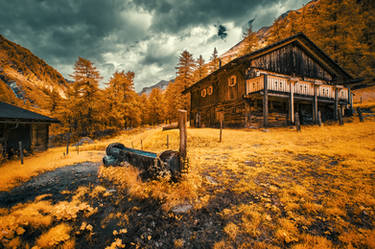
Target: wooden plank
{"x": 265, "y": 102}
{"x": 221, "y": 120}
{"x": 291, "y": 103}
{"x": 319, "y": 118}
{"x": 21, "y": 151}
{"x": 315, "y": 105}
{"x": 67, "y": 144}
{"x": 298, "y": 124}
{"x": 341, "y": 121}
{"x": 170, "y": 127}
{"x": 335, "y": 114}
{"x": 183, "y": 135}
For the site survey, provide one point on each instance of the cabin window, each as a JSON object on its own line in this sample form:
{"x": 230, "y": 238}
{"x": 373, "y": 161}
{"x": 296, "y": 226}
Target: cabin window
{"x": 232, "y": 80}
{"x": 254, "y": 86}
{"x": 275, "y": 85}
{"x": 203, "y": 93}
{"x": 210, "y": 90}
{"x": 281, "y": 85}
{"x": 323, "y": 92}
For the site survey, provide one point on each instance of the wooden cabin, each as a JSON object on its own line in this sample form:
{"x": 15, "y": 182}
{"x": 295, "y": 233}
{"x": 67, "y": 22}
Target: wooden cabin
{"x": 269, "y": 86}
{"x": 18, "y": 124}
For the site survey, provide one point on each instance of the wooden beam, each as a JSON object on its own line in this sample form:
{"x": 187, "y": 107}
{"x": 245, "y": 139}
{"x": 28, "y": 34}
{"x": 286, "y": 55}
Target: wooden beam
{"x": 335, "y": 114}
{"x": 319, "y": 118}
{"x": 21, "y": 151}
{"x": 315, "y": 104}
{"x": 265, "y": 102}
{"x": 291, "y": 102}
{"x": 350, "y": 96}
{"x": 298, "y": 124}
{"x": 183, "y": 135}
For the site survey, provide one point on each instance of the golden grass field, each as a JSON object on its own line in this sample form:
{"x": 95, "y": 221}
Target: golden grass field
{"x": 274, "y": 188}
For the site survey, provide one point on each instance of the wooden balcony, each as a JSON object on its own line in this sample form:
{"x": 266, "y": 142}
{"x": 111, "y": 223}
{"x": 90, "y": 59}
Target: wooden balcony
{"x": 283, "y": 85}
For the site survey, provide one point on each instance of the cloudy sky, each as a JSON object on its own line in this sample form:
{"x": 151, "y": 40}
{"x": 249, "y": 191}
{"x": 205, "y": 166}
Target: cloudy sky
{"x": 145, "y": 36}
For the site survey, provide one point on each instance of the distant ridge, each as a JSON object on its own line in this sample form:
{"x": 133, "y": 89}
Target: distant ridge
{"x": 163, "y": 84}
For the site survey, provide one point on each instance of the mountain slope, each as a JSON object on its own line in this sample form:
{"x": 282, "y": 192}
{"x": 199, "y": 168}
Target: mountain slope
{"x": 30, "y": 78}
{"x": 161, "y": 84}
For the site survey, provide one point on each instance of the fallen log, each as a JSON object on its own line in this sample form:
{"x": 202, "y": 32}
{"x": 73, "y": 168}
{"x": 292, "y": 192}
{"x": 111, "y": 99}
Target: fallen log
{"x": 170, "y": 127}
{"x": 151, "y": 165}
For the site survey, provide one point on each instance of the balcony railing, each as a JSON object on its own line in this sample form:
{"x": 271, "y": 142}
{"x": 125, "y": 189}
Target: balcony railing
{"x": 303, "y": 88}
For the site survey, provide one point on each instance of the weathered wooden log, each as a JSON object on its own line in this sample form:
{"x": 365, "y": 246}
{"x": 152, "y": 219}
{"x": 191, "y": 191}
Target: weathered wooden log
{"x": 151, "y": 165}
{"x": 170, "y": 127}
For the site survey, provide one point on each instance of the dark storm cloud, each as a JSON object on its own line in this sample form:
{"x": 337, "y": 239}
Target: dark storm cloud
{"x": 145, "y": 36}
{"x": 181, "y": 15}
{"x": 62, "y": 30}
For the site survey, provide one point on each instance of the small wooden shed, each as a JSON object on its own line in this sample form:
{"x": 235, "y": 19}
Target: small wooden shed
{"x": 18, "y": 124}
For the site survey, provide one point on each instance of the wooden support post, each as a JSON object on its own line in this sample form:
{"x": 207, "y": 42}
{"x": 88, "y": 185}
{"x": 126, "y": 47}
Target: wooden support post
{"x": 221, "y": 119}
{"x": 183, "y": 135}
{"x": 141, "y": 144}
{"x": 21, "y": 151}
{"x": 291, "y": 103}
{"x": 132, "y": 145}
{"x": 67, "y": 144}
{"x": 167, "y": 141}
{"x": 341, "y": 121}
{"x": 77, "y": 147}
{"x": 319, "y": 118}
{"x": 335, "y": 114}
{"x": 315, "y": 112}
{"x": 350, "y": 96}
{"x": 298, "y": 124}
{"x": 360, "y": 114}
{"x": 265, "y": 102}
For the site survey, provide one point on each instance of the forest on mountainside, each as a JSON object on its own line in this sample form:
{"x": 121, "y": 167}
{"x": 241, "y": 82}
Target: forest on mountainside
{"x": 344, "y": 29}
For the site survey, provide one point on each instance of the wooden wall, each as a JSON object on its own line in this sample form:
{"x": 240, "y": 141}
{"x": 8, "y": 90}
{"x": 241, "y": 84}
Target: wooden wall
{"x": 290, "y": 60}
{"x": 39, "y": 137}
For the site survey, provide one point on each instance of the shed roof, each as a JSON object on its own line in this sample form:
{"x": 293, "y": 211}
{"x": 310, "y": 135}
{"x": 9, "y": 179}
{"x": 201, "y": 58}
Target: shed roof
{"x": 302, "y": 40}
{"x": 13, "y": 113}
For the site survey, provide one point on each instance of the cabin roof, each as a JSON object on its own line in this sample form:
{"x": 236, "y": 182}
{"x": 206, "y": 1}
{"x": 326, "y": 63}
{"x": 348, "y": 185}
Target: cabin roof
{"x": 13, "y": 113}
{"x": 303, "y": 41}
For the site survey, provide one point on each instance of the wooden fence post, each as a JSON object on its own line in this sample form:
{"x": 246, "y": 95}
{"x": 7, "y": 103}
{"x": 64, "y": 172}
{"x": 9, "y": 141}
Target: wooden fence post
{"x": 167, "y": 141}
{"x": 298, "y": 124}
{"x": 67, "y": 144}
{"x": 183, "y": 135}
{"x": 360, "y": 114}
{"x": 319, "y": 118}
{"x": 221, "y": 118}
{"x": 77, "y": 147}
{"x": 141, "y": 144}
{"x": 21, "y": 150}
{"x": 132, "y": 145}
{"x": 341, "y": 121}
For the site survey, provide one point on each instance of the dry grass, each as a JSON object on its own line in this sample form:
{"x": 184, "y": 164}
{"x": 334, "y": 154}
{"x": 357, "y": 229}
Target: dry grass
{"x": 274, "y": 189}
{"x": 306, "y": 189}
{"x": 12, "y": 173}
{"x": 40, "y": 214}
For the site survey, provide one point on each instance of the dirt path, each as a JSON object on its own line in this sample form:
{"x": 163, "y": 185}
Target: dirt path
{"x": 52, "y": 182}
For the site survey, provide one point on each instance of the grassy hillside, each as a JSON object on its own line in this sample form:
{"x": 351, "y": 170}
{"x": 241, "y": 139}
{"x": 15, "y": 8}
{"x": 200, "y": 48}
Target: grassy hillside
{"x": 272, "y": 189}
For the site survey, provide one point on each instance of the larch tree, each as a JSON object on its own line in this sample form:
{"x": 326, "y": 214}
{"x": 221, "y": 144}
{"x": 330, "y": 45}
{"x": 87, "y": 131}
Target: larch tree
{"x": 125, "y": 110}
{"x": 156, "y": 107}
{"x": 82, "y": 103}
{"x": 201, "y": 69}
{"x": 214, "y": 63}
{"x": 250, "y": 40}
